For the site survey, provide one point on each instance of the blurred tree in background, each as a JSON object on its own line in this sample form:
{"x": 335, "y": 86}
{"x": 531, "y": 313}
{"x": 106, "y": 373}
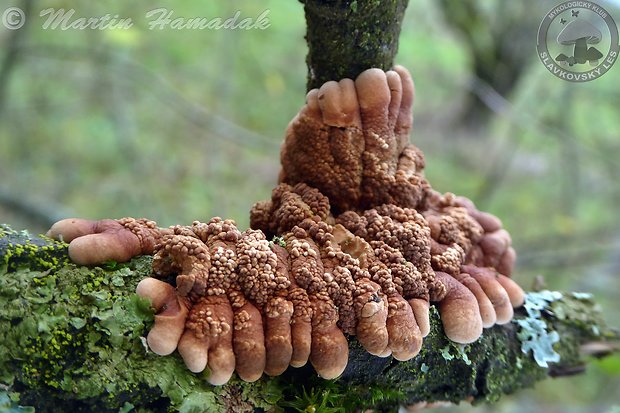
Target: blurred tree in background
{"x": 178, "y": 125}
{"x": 497, "y": 36}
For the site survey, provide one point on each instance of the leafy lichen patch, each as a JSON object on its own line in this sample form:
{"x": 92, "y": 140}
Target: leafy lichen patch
{"x": 534, "y": 335}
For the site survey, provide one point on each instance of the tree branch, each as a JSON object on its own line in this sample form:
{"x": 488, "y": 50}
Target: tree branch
{"x": 346, "y": 37}
{"x": 73, "y": 341}
{"x": 37, "y": 212}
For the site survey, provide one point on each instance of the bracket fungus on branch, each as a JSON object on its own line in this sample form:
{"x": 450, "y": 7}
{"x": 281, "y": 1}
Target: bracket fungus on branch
{"x": 361, "y": 245}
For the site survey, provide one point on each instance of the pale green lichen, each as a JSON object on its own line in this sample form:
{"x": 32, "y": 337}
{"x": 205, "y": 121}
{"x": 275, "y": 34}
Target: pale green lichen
{"x": 534, "y": 335}
{"x": 580, "y": 311}
{"x": 581, "y": 296}
{"x": 460, "y": 349}
{"x": 519, "y": 363}
{"x": 445, "y": 353}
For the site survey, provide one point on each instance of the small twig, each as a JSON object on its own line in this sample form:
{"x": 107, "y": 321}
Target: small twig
{"x": 42, "y": 213}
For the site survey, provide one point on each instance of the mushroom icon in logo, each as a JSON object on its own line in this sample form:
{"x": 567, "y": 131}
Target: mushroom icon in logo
{"x": 580, "y": 33}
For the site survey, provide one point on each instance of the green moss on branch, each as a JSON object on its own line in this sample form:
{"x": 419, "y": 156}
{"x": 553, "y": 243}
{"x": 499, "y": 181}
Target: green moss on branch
{"x": 73, "y": 340}
{"x": 346, "y": 37}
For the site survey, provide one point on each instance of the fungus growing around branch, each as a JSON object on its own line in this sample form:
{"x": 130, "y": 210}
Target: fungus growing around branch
{"x": 362, "y": 246}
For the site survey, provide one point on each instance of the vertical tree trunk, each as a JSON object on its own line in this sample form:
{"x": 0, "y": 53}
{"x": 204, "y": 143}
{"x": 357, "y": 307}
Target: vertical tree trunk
{"x": 346, "y": 37}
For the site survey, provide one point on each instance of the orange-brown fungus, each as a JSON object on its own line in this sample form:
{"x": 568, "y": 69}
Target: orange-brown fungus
{"x": 360, "y": 246}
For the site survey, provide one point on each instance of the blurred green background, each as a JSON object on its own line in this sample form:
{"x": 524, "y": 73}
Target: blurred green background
{"x": 178, "y": 125}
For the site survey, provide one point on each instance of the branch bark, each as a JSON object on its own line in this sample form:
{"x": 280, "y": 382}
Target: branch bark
{"x": 346, "y": 37}
{"x": 73, "y": 340}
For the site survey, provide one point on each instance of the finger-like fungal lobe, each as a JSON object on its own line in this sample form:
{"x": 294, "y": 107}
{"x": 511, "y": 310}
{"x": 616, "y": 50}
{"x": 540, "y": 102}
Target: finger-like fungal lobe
{"x": 94, "y": 242}
{"x": 171, "y": 310}
{"x": 354, "y": 242}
